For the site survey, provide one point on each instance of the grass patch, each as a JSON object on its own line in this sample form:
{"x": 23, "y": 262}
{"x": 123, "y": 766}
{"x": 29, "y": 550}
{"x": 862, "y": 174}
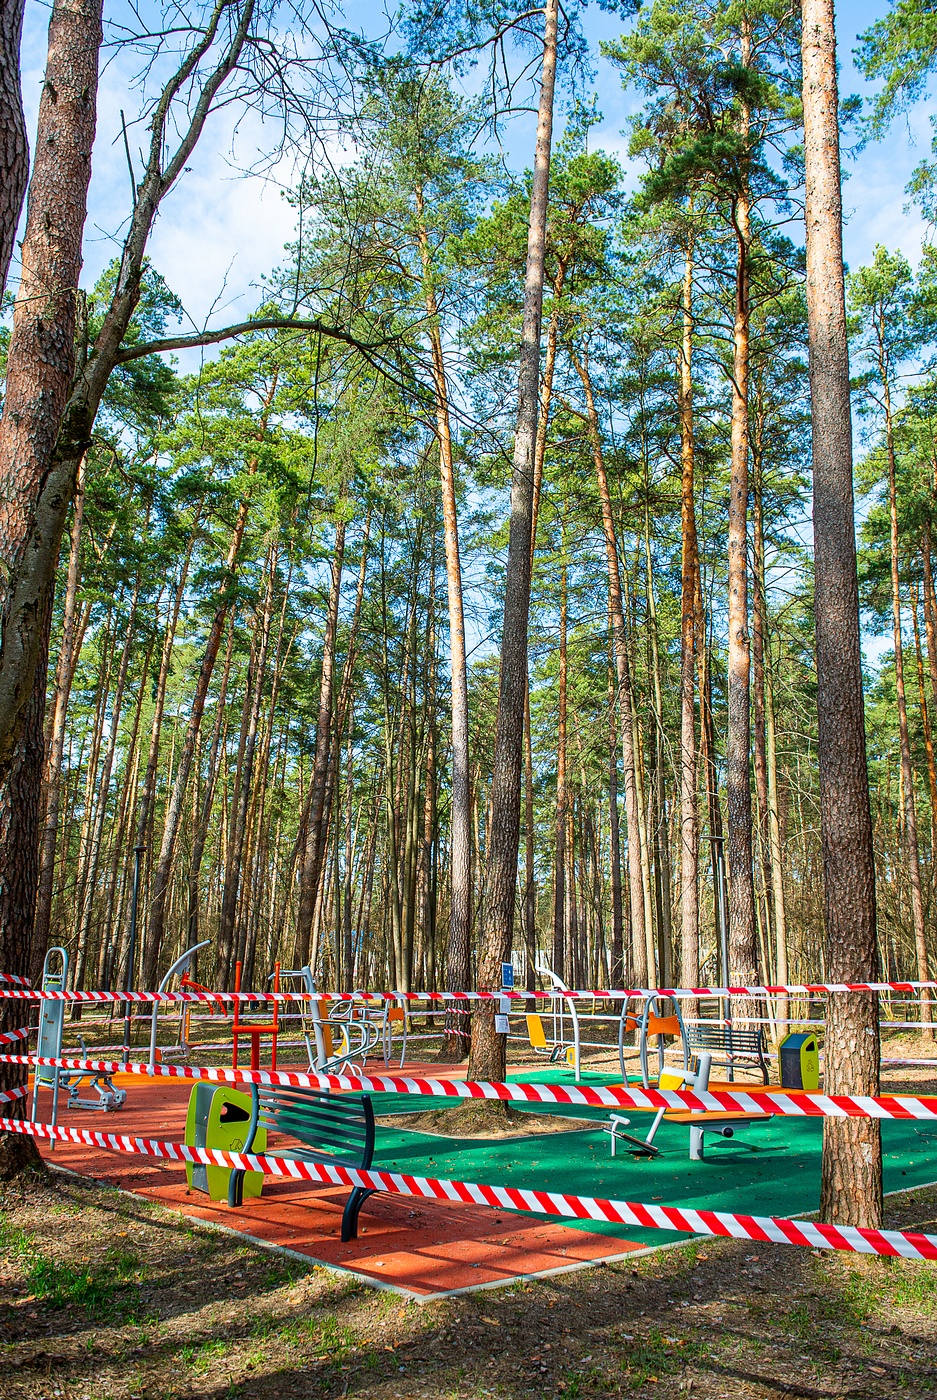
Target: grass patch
{"x": 198, "y": 1356}
{"x": 904, "y": 1283}
{"x": 648, "y": 1358}
{"x": 102, "y": 1288}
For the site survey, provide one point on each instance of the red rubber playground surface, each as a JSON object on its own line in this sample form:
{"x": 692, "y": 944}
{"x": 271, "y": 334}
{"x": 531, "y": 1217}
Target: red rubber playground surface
{"x": 422, "y": 1248}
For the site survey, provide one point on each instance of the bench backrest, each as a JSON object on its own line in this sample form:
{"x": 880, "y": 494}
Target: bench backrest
{"x": 339, "y": 1125}
{"x": 728, "y": 1038}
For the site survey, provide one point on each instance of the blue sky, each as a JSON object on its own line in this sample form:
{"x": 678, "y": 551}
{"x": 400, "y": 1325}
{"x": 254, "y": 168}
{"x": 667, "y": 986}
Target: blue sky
{"x": 219, "y": 232}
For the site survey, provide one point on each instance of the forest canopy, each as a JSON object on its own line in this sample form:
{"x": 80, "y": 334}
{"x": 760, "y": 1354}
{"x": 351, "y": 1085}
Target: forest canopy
{"x": 456, "y": 600}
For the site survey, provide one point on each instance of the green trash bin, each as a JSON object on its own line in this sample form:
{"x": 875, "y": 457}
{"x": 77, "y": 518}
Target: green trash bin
{"x": 799, "y": 1061}
{"x": 218, "y": 1117}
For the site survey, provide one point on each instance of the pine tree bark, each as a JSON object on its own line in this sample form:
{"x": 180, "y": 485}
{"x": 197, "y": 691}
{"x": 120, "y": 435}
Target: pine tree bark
{"x": 643, "y": 970}
{"x": 543, "y": 420}
{"x": 14, "y": 147}
{"x": 20, "y": 792}
{"x": 930, "y": 605}
{"x": 487, "y": 1059}
{"x": 759, "y": 685}
{"x": 40, "y": 365}
{"x": 617, "y": 969}
{"x": 311, "y": 871}
{"x": 774, "y": 840}
{"x": 657, "y": 797}
{"x": 41, "y": 359}
{"x": 851, "y": 1191}
{"x": 743, "y": 947}
{"x": 459, "y": 941}
{"x": 912, "y": 849}
{"x": 156, "y": 914}
{"x": 561, "y": 946}
{"x": 227, "y": 927}
{"x": 72, "y": 634}
{"x": 925, "y": 719}
{"x": 689, "y": 587}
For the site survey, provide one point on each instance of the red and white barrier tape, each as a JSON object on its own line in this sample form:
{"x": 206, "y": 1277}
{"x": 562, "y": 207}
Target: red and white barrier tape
{"x": 13, "y": 980}
{"x": 9, "y": 1095}
{"x": 677, "y": 993}
{"x": 895, "y": 1243}
{"x": 10, "y": 1037}
{"x": 755, "y": 1100}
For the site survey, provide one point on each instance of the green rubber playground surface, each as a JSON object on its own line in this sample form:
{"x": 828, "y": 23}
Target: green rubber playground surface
{"x": 772, "y": 1168}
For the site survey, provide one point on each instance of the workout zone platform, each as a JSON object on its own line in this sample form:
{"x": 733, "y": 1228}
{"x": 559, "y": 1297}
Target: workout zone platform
{"x": 426, "y": 1248}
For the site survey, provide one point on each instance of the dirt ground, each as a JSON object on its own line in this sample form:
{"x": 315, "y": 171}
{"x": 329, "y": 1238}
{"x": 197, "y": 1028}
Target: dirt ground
{"x": 106, "y": 1297}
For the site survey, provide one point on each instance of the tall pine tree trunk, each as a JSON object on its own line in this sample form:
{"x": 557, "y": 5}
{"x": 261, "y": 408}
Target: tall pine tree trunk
{"x": 40, "y": 365}
{"x": 314, "y": 854}
{"x": 689, "y": 571}
{"x": 459, "y": 943}
{"x": 912, "y": 849}
{"x": 487, "y": 1060}
{"x": 743, "y": 947}
{"x": 925, "y": 719}
{"x": 560, "y": 919}
{"x": 73, "y": 628}
{"x": 228, "y": 943}
{"x": 642, "y": 967}
{"x": 14, "y": 148}
{"x": 851, "y": 1191}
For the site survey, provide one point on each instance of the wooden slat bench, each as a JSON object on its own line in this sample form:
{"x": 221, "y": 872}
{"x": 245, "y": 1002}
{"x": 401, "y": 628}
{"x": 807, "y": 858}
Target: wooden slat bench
{"x": 733, "y": 1042}
{"x": 337, "y": 1130}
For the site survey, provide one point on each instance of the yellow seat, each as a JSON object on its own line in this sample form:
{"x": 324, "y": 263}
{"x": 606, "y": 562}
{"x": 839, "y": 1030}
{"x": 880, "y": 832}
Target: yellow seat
{"x": 536, "y": 1034}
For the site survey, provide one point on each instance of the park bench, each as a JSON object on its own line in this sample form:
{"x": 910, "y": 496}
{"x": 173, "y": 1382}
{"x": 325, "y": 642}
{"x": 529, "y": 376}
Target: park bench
{"x": 336, "y": 1130}
{"x": 734, "y": 1043}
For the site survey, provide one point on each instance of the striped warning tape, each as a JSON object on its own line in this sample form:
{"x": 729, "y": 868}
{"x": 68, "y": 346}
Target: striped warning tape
{"x": 9, "y": 1095}
{"x": 765, "y": 1229}
{"x": 13, "y": 980}
{"x": 10, "y": 1037}
{"x": 806, "y": 989}
{"x": 753, "y": 1100}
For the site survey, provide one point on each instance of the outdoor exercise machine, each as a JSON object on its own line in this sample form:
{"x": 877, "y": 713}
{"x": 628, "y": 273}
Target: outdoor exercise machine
{"x": 559, "y": 1047}
{"x": 650, "y": 1022}
{"x": 358, "y": 1028}
{"x": 253, "y": 1030}
{"x": 49, "y": 1046}
{"x": 699, "y": 1121}
{"x": 180, "y": 965}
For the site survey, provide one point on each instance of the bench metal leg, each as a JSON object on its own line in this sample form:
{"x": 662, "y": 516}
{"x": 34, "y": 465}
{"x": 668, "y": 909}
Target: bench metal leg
{"x": 236, "y": 1188}
{"x": 696, "y": 1144}
{"x": 350, "y": 1218}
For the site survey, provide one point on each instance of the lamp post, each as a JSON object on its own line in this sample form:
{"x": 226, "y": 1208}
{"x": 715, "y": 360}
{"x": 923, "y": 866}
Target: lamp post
{"x": 138, "y": 852}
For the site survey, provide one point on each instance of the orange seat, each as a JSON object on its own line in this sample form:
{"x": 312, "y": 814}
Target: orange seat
{"x": 663, "y": 1025}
